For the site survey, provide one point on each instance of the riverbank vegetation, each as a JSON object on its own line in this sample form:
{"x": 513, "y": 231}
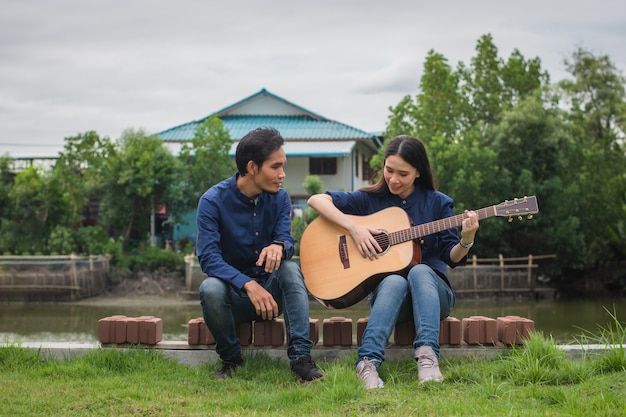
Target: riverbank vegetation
{"x": 495, "y": 128}
{"x": 529, "y": 380}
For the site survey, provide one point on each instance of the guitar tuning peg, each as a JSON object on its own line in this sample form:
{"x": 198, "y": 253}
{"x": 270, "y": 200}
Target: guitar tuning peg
{"x": 520, "y": 218}
{"x": 530, "y": 216}
{"x": 510, "y": 219}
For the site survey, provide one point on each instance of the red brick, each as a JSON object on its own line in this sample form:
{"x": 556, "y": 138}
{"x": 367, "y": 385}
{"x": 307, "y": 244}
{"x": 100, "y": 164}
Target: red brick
{"x": 120, "y": 329}
{"x": 198, "y": 333}
{"x": 512, "y": 330}
{"x": 404, "y": 333}
{"x": 337, "y": 331}
{"x": 470, "y": 331}
{"x": 269, "y": 332}
{"x": 507, "y": 330}
{"x": 193, "y": 331}
{"x": 244, "y": 333}
{"x": 205, "y": 338}
{"x": 480, "y": 330}
{"x": 450, "y": 331}
{"x": 455, "y": 330}
{"x": 106, "y": 330}
{"x": 150, "y": 330}
{"x": 132, "y": 330}
{"x": 361, "y": 324}
{"x": 112, "y": 329}
{"x": 314, "y": 330}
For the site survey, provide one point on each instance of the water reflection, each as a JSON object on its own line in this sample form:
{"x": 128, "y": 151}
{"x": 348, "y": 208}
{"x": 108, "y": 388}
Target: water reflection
{"x": 77, "y": 322}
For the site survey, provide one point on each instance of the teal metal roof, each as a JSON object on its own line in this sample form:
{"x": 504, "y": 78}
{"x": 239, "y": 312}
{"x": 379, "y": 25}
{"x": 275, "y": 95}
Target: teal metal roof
{"x": 294, "y": 122}
{"x": 290, "y": 127}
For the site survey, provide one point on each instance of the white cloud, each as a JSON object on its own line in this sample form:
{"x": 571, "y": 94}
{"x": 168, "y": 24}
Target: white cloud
{"x": 69, "y": 66}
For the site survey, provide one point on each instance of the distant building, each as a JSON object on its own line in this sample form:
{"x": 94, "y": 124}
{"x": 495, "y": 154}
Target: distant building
{"x": 338, "y": 153}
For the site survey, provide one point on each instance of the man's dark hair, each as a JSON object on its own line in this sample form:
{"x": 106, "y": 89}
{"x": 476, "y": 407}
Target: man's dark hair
{"x": 257, "y": 145}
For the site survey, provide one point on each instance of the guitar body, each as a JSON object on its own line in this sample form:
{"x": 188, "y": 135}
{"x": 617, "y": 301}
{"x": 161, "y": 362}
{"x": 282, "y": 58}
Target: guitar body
{"x": 338, "y": 276}
{"x": 334, "y": 271}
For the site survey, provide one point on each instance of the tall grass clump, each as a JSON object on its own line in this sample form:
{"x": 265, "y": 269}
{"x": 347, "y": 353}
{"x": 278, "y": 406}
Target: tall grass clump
{"x": 613, "y": 337}
{"x": 13, "y": 357}
{"x": 539, "y": 361}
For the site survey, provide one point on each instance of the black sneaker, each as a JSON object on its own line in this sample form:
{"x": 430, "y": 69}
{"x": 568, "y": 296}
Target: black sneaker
{"x": 226, "y": 371}
{"x": 306, "y": 369}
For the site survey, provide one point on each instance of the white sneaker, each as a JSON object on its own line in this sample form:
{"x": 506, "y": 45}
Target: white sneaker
{"x": 367, "y": 372}
{"x": 427, "y": 365}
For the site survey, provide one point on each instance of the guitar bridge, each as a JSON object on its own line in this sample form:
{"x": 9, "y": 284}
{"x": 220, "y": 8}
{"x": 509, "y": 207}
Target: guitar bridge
{"x": 343, "y": 252}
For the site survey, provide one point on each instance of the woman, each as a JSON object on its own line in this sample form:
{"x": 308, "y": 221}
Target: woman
{"x": 425, "y": 293}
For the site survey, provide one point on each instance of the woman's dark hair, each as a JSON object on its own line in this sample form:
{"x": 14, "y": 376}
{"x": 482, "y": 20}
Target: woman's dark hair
{"x": 257, "y": 145}
{"x": 412, "y": 150}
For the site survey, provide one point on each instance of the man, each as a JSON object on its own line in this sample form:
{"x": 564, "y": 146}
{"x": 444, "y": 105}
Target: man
{"x": 244, "y": 243}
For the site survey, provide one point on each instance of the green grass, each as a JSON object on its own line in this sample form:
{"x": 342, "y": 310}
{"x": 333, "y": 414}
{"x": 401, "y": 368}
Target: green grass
{"x": 535, "y": 379}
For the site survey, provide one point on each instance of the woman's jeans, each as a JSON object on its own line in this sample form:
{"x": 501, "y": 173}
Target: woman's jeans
{"x": 423, "y": 296}
{"x": 224, "y": 306}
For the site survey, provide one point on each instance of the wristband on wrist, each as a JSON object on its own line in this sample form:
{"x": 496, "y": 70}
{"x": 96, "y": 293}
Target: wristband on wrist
{"x": 468, "y": 246}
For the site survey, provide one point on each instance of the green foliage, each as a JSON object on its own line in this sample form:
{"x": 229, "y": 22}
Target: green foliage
{"x": 61, "y": 241}
{"x": 155, "y": 259}
{"x": 206, "y": 160}
{"x": 140, "y": 174}
{"x": 78, "y": 172}
{"x": 496, "y": 130}
{"x": 313, "y": 185}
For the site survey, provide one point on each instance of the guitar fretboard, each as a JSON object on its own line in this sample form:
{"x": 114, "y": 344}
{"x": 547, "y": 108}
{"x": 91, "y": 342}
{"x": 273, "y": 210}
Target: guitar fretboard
{"x": 421, "y": 230}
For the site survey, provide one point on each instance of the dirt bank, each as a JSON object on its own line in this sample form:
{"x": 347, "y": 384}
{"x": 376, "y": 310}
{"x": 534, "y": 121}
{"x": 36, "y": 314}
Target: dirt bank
{"x": 149, "y": 284}
{"x": 144, "y": 288}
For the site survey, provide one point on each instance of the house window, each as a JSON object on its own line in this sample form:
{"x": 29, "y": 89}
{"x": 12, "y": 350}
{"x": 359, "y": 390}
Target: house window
{"x": 322, "y": 166}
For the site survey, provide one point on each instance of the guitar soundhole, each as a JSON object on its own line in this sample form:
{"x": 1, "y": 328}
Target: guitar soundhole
{"x": 383, "y": 241}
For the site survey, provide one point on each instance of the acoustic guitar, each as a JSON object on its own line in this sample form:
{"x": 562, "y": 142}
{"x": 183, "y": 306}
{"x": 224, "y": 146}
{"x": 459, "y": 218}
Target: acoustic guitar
{"x": 338, "y": 276}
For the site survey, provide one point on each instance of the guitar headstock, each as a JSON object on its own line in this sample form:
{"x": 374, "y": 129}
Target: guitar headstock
{"x": 518, "y": 207}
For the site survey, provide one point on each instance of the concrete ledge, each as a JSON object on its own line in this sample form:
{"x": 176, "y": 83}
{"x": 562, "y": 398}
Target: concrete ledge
{"x": 197, "y": 355}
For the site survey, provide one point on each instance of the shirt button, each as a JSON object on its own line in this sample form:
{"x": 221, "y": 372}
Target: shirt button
{"x": 256, "y": 233}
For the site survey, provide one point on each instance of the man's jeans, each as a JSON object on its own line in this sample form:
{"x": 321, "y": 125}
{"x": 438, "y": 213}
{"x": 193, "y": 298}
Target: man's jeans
{"x": 223, "y": 306}
{"x": 423, "y": 296}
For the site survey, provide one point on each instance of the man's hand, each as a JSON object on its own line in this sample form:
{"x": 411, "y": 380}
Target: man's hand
{"x": 272, "y": 255}
{"x": 263, "y": 302}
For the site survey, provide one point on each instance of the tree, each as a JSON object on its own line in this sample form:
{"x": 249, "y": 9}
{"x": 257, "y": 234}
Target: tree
{"x": 597, "y": 101}
{"x": 140, "y": 173}
{"x": 78, "y": 173}
{"x": 437, "y": 104}
{"x": 482, "y": 85}
{"x": 25, "y": 231}
{"x": 206, "y": 160}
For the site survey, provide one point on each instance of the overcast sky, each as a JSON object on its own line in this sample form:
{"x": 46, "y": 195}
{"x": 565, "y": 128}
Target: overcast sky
{"x": 71, "y": 66}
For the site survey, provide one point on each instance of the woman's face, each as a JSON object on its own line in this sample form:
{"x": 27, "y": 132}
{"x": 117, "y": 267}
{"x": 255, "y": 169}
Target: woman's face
{"x": 399, "y": 176}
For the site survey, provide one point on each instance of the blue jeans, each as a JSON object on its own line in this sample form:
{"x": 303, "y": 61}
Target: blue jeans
{"x": 223, "y": 306}
{"x": 423, "y": 297}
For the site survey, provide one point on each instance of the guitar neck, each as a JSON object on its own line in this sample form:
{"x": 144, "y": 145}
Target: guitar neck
{"x": 421, "y": 230}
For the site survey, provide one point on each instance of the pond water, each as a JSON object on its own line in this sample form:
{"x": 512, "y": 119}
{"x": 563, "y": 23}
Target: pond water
{"x": 78, "y": 321}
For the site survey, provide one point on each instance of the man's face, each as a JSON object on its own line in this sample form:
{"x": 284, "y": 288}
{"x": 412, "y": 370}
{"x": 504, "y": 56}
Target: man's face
{"x": 271, "y": 175}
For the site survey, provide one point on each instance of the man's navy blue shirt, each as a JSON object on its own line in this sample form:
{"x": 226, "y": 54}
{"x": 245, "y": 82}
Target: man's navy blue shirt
{"x": 233, "y": 229}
